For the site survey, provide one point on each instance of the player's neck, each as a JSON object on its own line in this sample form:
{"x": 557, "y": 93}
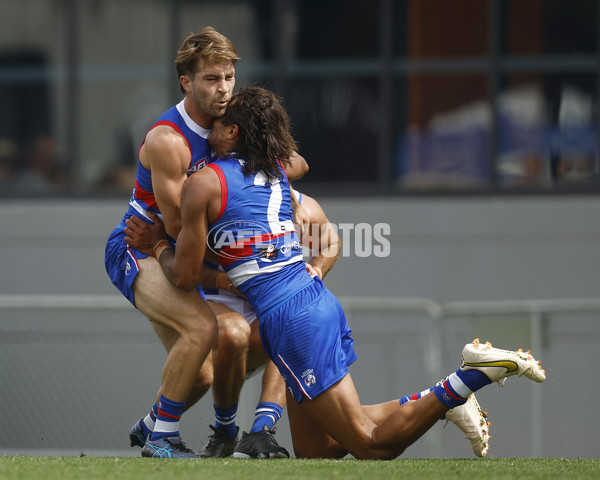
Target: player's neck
{"x": 198, "y": 116}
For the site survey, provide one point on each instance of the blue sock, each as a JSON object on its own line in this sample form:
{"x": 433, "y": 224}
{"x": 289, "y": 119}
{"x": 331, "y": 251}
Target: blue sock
{"x": 449, "y": 394}
{"x": 454, "y": 391}
{"x": 416, "y": 396}
{"x": 225, "y": 419}
{"x": 167, "y": 418}
{"x": 266, "y": 413}
{"x": 474, "y": 379}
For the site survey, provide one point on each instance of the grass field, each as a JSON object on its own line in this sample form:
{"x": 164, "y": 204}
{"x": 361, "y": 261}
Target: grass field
{"x": 66, "y": 468}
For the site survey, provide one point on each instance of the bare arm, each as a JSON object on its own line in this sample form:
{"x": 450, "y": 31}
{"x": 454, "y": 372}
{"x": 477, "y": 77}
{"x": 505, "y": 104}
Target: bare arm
{"x": 301, "y": 220}
{"x": 215, "y": 278}
{"x": 167, "y": 155}
{"x": 184, "y": 269}
{"x": 297, "y": 167}
{"x": 200, "y": 197}
{"x": 322, "y": 238}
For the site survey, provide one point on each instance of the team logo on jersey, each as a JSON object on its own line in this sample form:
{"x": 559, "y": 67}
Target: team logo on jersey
{"x": 197, "y": 166}
{"x": 127, "y": 268}
{"x": 309, "y": 378}
{"x": 270, "y": 253}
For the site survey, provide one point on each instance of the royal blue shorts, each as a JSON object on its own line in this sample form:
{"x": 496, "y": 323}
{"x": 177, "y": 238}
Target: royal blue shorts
{"x": 121, "y": 263}
{"x": 309, "y": 340}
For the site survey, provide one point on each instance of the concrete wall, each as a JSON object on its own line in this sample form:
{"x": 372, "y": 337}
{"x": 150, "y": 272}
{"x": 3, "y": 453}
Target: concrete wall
{"x": 75, "y": 381}
{"x": 444, "y": 249}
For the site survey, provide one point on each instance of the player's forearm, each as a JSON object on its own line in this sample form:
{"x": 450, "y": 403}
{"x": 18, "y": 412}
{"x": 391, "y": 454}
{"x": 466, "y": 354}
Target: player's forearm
{"x": 301, "y": 218}
{"x": 324, "y": 264}
{"x": 214, "y": 278}
{"x": 184, "y": 279}
{"x": 327, "y": 257}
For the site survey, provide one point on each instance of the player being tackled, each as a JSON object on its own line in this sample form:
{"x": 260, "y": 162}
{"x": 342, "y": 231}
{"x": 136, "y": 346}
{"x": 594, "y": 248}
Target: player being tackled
{"x": 327, "y": 419}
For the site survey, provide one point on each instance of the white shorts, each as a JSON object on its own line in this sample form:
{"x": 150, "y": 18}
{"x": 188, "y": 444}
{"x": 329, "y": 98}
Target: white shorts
{"x": 235, "y": 303}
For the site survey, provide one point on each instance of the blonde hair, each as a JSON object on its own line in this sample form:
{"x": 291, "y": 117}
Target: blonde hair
{"x": 207, "y": 44}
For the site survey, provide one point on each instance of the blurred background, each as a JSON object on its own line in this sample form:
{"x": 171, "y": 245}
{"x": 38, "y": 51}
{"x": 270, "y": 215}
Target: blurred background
{"x": 469, "y": 126}
{"x": 387, "y": 95}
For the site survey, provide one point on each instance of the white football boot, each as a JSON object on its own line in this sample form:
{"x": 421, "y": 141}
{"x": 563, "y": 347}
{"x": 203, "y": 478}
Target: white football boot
{"x": 472, "y": 420}
{"x": 498, "y": 364}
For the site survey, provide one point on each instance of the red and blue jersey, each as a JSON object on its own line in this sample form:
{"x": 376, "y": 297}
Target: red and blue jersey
{"x": 201, "y": 154}
{"x": 254, "y": 235}
{"x": 121, "y": 262}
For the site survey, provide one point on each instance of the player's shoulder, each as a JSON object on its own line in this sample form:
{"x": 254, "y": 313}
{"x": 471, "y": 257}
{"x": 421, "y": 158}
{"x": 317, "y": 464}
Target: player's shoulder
{"x": 201, "y": 188}
{"x": 205, "y": 178}
{"x": 165, "y": 137}
{"x": 228, "y": 165}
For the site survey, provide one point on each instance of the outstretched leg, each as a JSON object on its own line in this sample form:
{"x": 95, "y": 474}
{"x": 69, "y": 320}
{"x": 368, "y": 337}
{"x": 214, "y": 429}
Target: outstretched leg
{"x": 334, "y": 423}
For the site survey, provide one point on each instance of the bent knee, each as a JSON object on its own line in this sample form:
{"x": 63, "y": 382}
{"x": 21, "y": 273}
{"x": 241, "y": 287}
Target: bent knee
{"x": 200, "y": 329}
{"x": 306, "y": 451}
{"x": 315, "y": 448}
{"x": 234, "y": 333}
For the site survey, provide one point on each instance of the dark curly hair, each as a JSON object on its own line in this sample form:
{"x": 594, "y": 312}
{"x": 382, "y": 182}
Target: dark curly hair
{"x": 264, "y": 130}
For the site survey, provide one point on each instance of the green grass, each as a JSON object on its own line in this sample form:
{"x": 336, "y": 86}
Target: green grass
{"x": 66, "y": 468}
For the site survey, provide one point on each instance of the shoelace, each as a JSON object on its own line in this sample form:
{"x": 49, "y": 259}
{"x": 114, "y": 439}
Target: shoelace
{"x": 182, "y": 447}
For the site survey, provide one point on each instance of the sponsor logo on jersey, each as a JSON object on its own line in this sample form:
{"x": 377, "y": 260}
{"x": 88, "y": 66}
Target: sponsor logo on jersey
{"x": 288, "y": 247}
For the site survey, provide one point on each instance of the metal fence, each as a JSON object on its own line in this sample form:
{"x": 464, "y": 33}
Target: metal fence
{"x": 390, "y": 332}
